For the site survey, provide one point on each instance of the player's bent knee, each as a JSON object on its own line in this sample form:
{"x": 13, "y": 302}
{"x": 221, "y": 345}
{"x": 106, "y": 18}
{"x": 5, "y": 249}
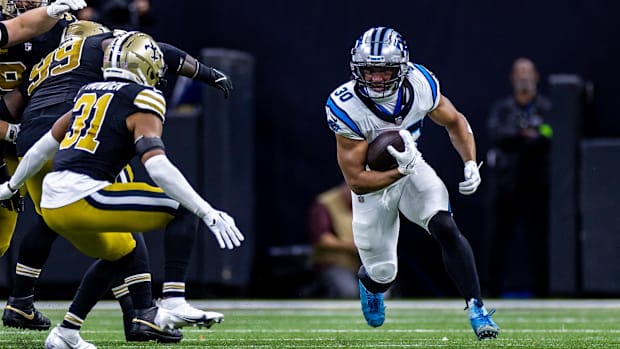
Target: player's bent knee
{"x": 442, "y": 225}
{"x": 383, "y": 272}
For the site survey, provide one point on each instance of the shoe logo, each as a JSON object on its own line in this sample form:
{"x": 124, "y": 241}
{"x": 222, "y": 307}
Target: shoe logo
{"x": 21, "y": 312}
{"x": 151, "y": 325}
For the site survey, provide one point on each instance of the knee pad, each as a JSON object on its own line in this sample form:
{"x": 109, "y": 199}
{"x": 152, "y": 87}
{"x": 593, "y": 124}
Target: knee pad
{"x": 383, "y": 272}
{"x": 380, "y": 282}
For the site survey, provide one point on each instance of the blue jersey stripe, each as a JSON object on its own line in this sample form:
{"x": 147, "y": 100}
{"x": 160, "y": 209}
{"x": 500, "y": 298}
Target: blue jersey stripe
{"x": 343, "y": 116}
{"x": 415, "y": 126}
{"x": 430, "y": 79}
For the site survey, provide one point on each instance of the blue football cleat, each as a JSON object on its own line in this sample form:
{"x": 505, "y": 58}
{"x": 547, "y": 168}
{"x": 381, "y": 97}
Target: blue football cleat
{"x": 481, "y": 322}
{"x": 372, "y": 306}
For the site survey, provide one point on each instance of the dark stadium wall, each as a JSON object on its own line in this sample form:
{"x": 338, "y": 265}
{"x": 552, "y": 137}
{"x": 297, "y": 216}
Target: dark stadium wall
{"x": 302, "y": 53}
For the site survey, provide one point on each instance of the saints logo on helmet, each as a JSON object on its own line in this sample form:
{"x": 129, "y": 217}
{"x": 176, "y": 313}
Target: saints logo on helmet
{"x": 134, "y": 56}
{"x": 379, "y": 50}
{"x": 13, "y": 8}
{"x": 83, "y": 29}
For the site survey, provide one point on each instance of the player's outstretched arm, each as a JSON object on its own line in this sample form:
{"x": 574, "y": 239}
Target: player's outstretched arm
{"x": 181, "y": 63}
{"x": 36, "y": 157}
{"x": 35, "y": 22}
{"x": 147, "y": 129}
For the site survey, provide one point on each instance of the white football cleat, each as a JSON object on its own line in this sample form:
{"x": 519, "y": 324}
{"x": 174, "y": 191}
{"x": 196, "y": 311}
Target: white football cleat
{"x": 175, "y": 312}
{"x": 66, "y": 338}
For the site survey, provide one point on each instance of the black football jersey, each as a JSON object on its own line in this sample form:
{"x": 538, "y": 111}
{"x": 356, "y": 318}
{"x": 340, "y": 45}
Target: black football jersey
{"x": 58, "y": 77}
{"x": 98, "y": 142}
{"x": 16, "y": 60}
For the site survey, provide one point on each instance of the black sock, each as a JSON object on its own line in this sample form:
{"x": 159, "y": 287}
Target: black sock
{"x": 33, "y": 252}
{"x": 138, "y": 277}
{"x": 95, "y": 283}
{"x": 179, "y": 238}
{"x": 121, "y": 293}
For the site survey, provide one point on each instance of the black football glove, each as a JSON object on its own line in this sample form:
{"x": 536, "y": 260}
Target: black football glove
{"x": 15, "y": 202}
{"x": 217, "y": 79}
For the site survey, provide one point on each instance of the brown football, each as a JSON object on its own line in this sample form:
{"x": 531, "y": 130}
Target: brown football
{"x": 378, "y": 158}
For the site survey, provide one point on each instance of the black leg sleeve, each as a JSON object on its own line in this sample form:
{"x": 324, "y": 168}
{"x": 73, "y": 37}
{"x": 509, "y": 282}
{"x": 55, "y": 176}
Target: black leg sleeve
{"x": 179, "y": 240}
{"x": 458, "y": 257}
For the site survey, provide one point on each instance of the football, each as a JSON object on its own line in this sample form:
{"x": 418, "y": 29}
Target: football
{"x": 378, "y": 158}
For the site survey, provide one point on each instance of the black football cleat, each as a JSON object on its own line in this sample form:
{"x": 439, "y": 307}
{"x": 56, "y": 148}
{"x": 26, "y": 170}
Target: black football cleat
{"x": 21, "y": 313}
{"x": 143, "y": 328}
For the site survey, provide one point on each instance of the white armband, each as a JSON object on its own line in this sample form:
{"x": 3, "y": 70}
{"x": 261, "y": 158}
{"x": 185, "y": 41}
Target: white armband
{"x": 11, "y": 132}
{"x": 174, "y": 184}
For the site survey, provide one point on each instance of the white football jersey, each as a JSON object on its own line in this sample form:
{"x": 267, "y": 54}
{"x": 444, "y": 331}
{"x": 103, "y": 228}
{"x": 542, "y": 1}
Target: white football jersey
{"x": 348, "y": 116}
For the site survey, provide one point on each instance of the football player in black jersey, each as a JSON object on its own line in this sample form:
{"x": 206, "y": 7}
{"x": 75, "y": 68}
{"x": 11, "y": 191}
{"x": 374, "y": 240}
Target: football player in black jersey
{"x": 41, "y": 28}
{"x": 111, "y": 122}
{"x": 75, "y": 63}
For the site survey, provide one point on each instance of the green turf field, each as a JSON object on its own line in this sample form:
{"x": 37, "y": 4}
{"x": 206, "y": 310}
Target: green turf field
{"x": 537, "y": 324}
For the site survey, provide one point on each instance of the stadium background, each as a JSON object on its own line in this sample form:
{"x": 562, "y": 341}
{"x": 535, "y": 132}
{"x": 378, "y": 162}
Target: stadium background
{"x": 301, "y": 52}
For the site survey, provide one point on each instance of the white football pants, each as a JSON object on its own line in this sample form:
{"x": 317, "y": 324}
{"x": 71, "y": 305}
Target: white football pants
{"x": 376, "y": 222}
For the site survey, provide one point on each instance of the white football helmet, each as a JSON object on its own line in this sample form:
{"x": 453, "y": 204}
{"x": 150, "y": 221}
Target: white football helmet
{"x": 383, "y": 49}
{"x": 134, "y": 56}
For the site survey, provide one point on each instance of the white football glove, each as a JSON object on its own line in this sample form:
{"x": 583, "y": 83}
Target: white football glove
{"x": 223, "y": 227}
{"x": 6, "y": 192}
{"x": 408, "y": 158}
{"x": 59, "y": 7}
{"x": 472, "y": 178}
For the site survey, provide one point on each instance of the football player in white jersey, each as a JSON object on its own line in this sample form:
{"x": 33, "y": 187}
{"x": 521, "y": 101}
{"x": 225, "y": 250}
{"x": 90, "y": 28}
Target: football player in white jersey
{"x": 389, "y": 92}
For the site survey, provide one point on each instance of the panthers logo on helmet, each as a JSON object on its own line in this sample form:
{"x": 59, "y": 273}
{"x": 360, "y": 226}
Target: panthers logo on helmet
{"x": 379, "y": 49}
{"x": 134, "y": 56}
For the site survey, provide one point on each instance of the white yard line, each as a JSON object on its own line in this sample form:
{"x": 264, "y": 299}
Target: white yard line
{"x": 353, "y": 304}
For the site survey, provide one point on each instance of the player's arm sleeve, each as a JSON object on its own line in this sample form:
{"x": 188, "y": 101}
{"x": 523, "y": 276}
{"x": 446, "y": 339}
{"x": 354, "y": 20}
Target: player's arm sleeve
{"x": 433, "y": 85}
{"x": 340, "y": 122}
{"x": 181, "y": 63}
{"x": 173, "y": 56}
{"x": 171, "y": 180}
{"x": 34, "y": 160}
